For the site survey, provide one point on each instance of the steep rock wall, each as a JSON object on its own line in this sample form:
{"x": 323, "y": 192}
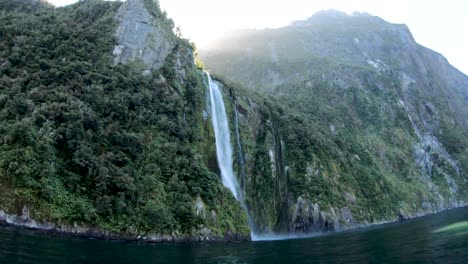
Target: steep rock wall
{"x": 294, "y": 187}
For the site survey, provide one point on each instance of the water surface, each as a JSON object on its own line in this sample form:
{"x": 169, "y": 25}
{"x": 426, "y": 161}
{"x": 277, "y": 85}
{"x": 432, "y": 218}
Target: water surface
{"x": 440, "y": 238}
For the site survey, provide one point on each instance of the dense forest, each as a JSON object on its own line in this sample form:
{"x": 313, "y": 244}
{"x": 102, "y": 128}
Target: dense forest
{"x": 84, "y": 141}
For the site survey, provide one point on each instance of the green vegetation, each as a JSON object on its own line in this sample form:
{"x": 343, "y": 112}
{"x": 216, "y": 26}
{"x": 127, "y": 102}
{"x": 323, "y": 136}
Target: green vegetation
{"x": 82, "y": 141}
{"x": 327, "y": 167}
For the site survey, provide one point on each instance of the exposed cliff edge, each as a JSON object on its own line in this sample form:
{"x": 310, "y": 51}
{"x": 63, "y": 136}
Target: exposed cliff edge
{"x": 145, "y": 36}
{"x": 141, "y": 36}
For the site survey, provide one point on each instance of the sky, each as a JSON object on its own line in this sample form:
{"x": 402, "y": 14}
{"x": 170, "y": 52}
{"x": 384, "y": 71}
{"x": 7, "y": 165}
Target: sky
{"x": 439, "y": 25}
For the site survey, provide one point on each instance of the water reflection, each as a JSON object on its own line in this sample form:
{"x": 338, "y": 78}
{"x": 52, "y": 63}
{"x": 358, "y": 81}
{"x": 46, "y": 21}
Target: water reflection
{"x": 458, "y": 228}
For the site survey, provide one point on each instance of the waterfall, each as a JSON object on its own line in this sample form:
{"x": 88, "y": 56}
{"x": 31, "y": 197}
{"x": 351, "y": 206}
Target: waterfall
{"x": 223, "y": 140}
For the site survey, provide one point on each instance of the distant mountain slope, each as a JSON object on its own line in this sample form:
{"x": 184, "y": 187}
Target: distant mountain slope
{"x": 265, "y": 59}
{"x": 380, "y": 121}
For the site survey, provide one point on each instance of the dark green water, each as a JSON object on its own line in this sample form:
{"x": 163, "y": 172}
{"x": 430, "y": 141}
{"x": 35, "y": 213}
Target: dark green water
{"x": 413, "y": 241}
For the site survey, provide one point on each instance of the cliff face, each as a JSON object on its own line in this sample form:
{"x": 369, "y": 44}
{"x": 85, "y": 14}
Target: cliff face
{"x": 144, "y": 35}
{"x": 141, "y": 36}
{"x": 360, "y": 126}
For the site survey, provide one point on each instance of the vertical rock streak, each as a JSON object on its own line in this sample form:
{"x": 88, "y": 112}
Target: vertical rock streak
{"x": 240, "y": 157}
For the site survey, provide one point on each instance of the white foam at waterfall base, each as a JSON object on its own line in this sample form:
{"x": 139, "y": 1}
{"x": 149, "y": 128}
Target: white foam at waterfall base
{"x": 275, "y": 237}
{"x": 223, "y": 140}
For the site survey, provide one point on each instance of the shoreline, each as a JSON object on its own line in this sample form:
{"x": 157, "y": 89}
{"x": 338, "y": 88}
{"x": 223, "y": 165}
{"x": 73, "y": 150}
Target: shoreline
{"x": 25, "y": 223}
{"x": 30, "y": 225}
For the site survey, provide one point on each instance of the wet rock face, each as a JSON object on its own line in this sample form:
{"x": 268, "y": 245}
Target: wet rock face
{"x": 307, "y": 217}
{"x": 141, "y": 36}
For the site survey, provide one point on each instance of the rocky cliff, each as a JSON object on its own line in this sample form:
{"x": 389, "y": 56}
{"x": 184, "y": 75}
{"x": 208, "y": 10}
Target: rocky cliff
{"x": 141, "y": 36}
{"x": 144, "y": 35}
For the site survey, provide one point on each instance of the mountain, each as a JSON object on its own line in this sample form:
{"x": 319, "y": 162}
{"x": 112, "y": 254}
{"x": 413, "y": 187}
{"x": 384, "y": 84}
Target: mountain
{"x": 366, "y": 126}
{"x": 335, "y": 122}
{"x": 102, "y": 126}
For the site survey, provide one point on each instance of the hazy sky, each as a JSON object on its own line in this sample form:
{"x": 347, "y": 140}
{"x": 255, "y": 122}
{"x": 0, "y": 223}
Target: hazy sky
{"x": 439, "y": 25}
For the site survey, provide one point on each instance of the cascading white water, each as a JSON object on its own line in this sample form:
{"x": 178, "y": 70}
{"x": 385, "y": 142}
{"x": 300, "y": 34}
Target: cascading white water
{"x": 223, "y": 140}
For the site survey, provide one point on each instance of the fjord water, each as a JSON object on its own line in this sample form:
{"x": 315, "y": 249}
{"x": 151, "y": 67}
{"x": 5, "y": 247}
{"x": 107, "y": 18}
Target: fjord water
{"x": 415, "y": 241}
